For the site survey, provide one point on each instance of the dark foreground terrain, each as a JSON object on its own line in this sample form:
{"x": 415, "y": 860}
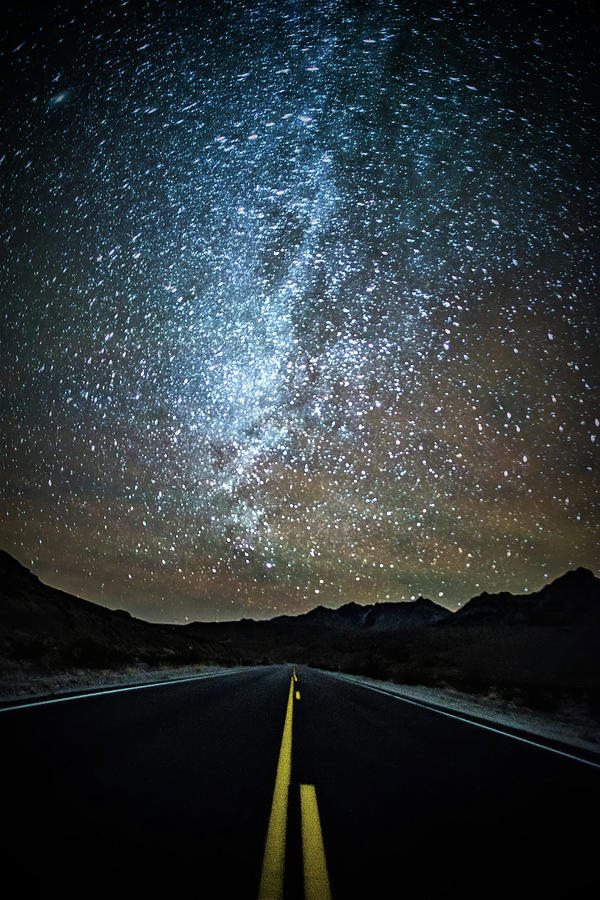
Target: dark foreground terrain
{"x": 161, "y": 791}
{"x": 540, "y": 650}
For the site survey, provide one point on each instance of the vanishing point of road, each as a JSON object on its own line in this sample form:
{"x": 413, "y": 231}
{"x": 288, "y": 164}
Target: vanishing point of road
{"x": 277, "y": 783}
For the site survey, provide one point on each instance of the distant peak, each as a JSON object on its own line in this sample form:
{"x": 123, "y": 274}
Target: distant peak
{"x": 579, "y": 574}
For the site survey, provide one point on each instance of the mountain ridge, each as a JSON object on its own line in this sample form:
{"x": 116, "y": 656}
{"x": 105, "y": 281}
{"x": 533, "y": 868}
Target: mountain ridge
{"x": 576, "y": 593}
{"x": 42, "y": 623}
{"x": 374, "y": 616}
{"x": 573, "y": 595}
{"x": 538, "y": 649}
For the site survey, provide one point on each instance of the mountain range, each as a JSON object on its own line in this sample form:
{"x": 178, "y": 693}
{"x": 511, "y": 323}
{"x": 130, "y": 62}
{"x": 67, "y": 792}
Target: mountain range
{"x": 28, "y": 606}
{"x": 573, "y": 597}
{"x": 546, "y": 643}
{"x": 377, "y": 616}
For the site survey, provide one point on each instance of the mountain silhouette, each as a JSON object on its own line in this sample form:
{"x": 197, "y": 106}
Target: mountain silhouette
{"x": 537, "y": 647}
{"x": 41, "y": 623}
{"x": 572, "y": 598}
{"x": 375, "y": 616}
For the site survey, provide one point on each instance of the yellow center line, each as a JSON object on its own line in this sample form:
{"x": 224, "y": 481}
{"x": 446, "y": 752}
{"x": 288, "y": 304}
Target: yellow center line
{"x": 316, "y": 879}
{"x": 271, "y": 879}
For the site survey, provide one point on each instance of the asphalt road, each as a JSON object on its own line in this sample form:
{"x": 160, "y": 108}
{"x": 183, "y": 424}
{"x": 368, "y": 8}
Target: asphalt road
{"x": 169, "y": 791}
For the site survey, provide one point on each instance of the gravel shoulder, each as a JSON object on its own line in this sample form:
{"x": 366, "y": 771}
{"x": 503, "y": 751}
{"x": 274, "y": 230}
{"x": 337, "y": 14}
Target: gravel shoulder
{"x": 573, "y": 725}
{"x": 23, "y": 685}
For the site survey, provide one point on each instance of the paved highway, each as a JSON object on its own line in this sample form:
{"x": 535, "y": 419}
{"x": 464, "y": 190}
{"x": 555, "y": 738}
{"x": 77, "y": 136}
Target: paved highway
{"x": 258, "y": 784}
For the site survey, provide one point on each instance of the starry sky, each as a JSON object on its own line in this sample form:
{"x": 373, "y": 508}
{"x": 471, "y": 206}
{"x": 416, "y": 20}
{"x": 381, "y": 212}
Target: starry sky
{"x": 299, "y": 300}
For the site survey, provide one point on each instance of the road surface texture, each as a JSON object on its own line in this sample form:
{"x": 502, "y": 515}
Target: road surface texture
{"x": 258, "y": 783}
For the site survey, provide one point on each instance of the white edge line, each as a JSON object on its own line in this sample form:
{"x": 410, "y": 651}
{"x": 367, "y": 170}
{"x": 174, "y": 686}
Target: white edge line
{"x": 443, "y": 712}
{"x": 119, "y": 690}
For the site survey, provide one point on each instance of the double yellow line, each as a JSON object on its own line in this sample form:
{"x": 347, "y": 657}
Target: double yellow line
{"x": 316, "y": 879}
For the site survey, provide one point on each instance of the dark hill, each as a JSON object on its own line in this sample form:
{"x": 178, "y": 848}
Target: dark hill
{"x": 377, "y": 616}
{"x": 574, "y": 598}
{"x": 42, "y": 624}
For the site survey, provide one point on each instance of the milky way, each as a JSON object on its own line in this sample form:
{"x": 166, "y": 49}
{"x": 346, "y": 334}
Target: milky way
{"x": 299, "y": 301}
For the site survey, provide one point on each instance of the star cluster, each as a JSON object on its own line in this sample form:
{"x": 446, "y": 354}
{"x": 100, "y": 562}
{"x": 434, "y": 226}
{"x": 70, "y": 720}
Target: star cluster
{"x": 299, "y": 301}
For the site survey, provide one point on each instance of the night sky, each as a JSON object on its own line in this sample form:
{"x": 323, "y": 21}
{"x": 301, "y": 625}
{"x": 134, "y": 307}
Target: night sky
{"x": 299, "y": 301}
